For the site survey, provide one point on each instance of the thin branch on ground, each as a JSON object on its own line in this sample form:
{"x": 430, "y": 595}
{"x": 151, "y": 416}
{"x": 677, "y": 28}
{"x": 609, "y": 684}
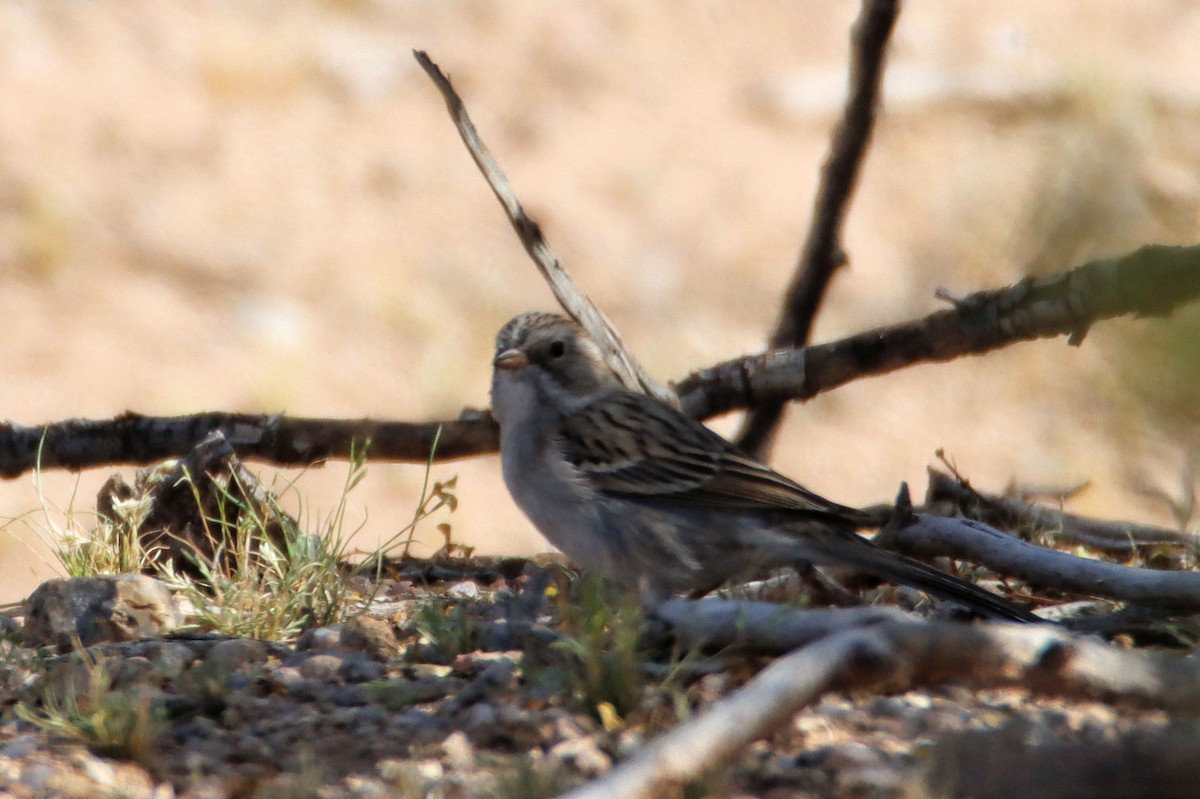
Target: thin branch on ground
{"x": 764, "y": 628}
{"x": 965, "y": 539}
{"x": 1014, "y": 514}
{"x": 573, "y": 301}
{"x": 822, "y": 253}
{"x": 899, "y": 656}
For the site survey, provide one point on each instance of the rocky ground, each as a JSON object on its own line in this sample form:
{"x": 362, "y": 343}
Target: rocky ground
{"x": 233, "y": 207}
{"x": 478, "y": 678}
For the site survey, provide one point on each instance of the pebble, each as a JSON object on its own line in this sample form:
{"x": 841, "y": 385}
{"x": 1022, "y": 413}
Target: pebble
{"x": 459, "y": 752}
{"x": 320, "y": 638}
{"x": 358, "y": 668}
{"x": 467, "y": 589}
{"x": 321, "y": 666}
{"x": 235, "y": 654}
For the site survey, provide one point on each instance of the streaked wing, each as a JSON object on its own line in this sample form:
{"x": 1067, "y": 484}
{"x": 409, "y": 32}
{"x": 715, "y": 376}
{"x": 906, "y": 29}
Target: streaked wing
{"x": 629, "y": 444}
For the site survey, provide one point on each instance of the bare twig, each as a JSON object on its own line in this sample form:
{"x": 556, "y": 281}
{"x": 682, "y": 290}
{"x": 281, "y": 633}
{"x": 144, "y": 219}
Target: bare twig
{"x": 899, "y": 656}
{"x": 1012, "y": 514}
{"x": 822, "y": 253}
{"x": 573, "y": 301}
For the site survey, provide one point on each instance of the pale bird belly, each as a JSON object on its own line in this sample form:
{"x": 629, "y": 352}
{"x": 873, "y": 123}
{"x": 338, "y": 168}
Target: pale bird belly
{"x": 564, "y": 511}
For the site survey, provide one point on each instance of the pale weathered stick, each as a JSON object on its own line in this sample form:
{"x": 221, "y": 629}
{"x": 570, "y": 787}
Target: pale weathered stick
{"x": 573, "y": 301}
{"x": 899, "y": 656}
{"x": 966, "y": 539}
{"x": 761, "y": 627}
{"x": 822, "y": 253}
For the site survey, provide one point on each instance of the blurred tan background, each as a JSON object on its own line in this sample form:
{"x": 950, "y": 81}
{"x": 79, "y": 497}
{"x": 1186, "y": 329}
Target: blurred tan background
{"x": 261, "y": 206}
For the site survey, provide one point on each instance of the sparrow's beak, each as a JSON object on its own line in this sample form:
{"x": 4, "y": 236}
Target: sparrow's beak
{"x": 510, "y": 360}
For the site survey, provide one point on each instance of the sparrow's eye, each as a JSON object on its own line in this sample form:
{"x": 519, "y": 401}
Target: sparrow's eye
{"x": 557, "y": 349}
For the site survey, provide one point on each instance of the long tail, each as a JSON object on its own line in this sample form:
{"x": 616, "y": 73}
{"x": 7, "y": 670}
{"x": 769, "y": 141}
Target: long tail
{"x": 859, "y": 553}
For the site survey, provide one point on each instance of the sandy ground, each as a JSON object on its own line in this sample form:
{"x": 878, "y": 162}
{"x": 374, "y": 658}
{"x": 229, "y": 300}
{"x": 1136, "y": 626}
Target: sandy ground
{"x": 263, "y": 207}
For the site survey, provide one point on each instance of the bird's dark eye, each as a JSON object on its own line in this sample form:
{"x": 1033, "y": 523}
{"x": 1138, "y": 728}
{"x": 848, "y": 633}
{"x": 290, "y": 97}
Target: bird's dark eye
{"x": 557, "y": 349}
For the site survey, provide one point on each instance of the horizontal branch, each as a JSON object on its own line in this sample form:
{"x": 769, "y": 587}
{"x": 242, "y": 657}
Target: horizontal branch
{"x": 1153, "y": 280}
{"x": 282, "y": 440}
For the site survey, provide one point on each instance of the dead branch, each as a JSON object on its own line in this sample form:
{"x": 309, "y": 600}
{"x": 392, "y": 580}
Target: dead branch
{"x": 760, "y": 627}
{"x": 1013, "y": 514}
{"x": 898, "y": 656}
{"x": 1153, "y": 280}
{"x": 822, "y": 253}
{"x": 965, "y": 539}
{"x": 573, "y": 301}
{"x": 282, "y": 440}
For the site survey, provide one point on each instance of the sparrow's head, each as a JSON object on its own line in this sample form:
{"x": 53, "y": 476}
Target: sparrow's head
{"x": 549, "y": 356}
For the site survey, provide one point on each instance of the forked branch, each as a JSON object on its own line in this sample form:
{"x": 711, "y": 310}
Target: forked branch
{"x": 822, "y": 253}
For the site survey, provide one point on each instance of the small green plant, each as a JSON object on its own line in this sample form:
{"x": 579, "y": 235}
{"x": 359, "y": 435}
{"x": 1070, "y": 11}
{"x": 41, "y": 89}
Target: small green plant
{"x": 449, "y": 627}
{"x": 79, "y": 701}
{"x": 598, "y": 661}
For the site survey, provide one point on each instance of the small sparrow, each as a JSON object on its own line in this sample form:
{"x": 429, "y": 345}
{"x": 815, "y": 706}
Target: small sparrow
{"x": 629, "y": 487}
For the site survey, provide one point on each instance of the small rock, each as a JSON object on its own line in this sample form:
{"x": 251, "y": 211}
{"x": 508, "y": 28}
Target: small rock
{"x": 100, "y": 772}
{"x": 459, "y": 752}
{"x": 434, "y": 670}
{"x": 9, "y": 625}
{"x": 470, "y": 663}
{"x": 95, "y": 609}
{"x": 20, "y": 747}
{"x": 412, "y": 777}
{"x": 321, "y": 666}
{"x": 346, "y": 696}
{"x": 358, "y": 668}
{"x": 171, "y": 658}
{"x": 481, "y": 718}
{"x": 284, "y": 677}
{"x": 371, "y": 635}
{"x": 463, "y": 590}
{"x": 320, "y": 638}
{"x": 221, "y": 671}
{"x": 359, "y": 584}
{"x": 583, "y": 754}
{"x": 129, "y": 671}
{"x": 235, "y": 654}
{"x": 852, "y": 756}
{"x": 874, "y": 781}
